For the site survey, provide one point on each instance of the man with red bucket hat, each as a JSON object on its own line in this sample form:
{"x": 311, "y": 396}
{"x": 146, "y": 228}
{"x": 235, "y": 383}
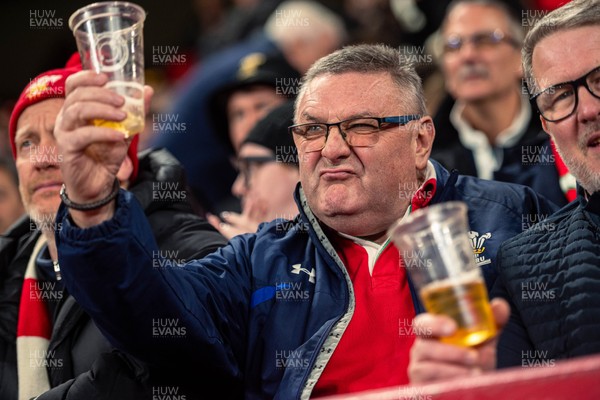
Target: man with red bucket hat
{"x": 57, "y": 344}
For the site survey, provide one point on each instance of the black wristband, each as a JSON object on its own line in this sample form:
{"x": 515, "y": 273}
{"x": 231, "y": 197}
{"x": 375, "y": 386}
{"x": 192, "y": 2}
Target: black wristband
{"x": 89, "y": 206}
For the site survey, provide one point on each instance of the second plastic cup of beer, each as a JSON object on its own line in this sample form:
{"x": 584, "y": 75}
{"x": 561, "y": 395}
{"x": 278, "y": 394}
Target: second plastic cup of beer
{"x": 436, "y": 252}
{"x": 109, "y": 38}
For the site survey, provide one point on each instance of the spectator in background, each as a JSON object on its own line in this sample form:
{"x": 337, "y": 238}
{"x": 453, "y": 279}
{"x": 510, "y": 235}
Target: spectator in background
{"x": 268, "y": 173}
{"x": 302, "y": 40}
{"x": 549, "y": 274}
{"x": 490, "y": 131}
{"x": 238, "y": 106}
{"x": 57, "y": 344}
{"x": 561, "y": 60}
{"x": 11, "y": 207}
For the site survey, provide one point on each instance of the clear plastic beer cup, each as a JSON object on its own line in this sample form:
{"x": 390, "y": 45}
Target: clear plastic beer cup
{"x": 435, "y": 249}
{"x": 109, "y": 38}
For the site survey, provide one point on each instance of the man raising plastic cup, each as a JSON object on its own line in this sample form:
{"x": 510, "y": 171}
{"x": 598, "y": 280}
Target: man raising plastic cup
{"x": 109, "y": 38}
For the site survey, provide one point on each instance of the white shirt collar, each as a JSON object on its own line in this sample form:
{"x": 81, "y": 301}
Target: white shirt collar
{"x": 486, "y": 159}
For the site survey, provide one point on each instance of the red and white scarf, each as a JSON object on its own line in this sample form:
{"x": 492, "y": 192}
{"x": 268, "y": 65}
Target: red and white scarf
{"x": 567, "y": 182}
{"x": 33, "y": 333}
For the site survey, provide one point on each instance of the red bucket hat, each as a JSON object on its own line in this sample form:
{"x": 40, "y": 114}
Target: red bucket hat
{"x": 51, "y": 84}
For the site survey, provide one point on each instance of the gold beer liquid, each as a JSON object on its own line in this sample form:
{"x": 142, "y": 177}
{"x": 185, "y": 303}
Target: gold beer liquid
{"x": 134, "y": 106}
{"x": 466, "y": 302}
{"x": 130, "y": 126}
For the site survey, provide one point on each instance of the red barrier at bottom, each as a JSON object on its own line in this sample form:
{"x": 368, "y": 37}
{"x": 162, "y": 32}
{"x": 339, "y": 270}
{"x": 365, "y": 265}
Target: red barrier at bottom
{"x": 577, "y": 379}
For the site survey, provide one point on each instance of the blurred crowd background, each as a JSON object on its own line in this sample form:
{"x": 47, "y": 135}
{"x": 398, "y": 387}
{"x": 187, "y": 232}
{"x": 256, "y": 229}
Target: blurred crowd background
{"x": 199, "y": 28}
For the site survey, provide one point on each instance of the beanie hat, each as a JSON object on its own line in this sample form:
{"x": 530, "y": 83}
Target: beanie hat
{"x": 48, "y": 85}
{"x": 254, "y": 69}
{"x": 272, "y": 133}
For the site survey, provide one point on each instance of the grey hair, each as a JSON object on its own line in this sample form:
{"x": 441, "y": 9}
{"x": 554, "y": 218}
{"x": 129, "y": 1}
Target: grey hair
{"x": 514, "y": 24}
{"x": 370, "y": 59}
{"x": 572, "y": 15}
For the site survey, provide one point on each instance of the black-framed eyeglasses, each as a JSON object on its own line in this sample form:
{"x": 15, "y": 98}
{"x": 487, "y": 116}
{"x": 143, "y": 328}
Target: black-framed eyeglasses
{"x": 480, "y": 40}
{"x": 246, "y": 166}
{"x": 559, "y": 101}
{"x": 357, "y": 132}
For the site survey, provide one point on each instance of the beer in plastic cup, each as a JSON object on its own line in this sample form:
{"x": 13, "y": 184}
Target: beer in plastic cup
{"x": 437, "y": 254}
{"x": 109, "y": 38}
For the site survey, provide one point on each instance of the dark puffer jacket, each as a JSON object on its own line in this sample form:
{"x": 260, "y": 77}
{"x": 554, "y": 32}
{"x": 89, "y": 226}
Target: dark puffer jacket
{"x": 550, "y": 275}
{"x": 87, "y": 367}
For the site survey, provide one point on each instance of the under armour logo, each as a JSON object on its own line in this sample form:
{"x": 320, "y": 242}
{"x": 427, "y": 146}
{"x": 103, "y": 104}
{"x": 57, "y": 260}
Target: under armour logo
{"x": 297, "y": 268}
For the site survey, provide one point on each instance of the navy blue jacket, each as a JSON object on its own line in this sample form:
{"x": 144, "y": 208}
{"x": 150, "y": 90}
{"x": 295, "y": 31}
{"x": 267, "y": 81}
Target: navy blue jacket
{"x": 237, "y": 316}
{"x": 550, "y": 275}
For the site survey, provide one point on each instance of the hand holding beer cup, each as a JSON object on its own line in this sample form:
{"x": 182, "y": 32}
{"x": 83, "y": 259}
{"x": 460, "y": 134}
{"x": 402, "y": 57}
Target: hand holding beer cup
{"x": 109, "y": 38}
{"x": 432, "y": 360}
{"x": 436, "y": 252}
{"x": 440, "y": 262}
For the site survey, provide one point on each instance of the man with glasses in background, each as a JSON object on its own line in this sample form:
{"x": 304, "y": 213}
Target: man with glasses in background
{"x": 310, "y": 308}
{"x": 487, "y": 127}
{"x": 550, "y": 274}
{"x": 268, "y": 173}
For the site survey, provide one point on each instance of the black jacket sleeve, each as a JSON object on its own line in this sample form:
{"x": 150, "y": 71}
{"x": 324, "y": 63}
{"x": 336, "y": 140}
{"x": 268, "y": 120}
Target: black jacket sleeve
{"x": 114, "y": 376}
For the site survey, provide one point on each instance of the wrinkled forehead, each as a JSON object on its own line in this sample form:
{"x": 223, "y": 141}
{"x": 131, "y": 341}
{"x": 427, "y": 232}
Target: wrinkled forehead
{"x": 565, "y": 55}
{"x": 332, "y": 97}
{"x": 45, "y": 111}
